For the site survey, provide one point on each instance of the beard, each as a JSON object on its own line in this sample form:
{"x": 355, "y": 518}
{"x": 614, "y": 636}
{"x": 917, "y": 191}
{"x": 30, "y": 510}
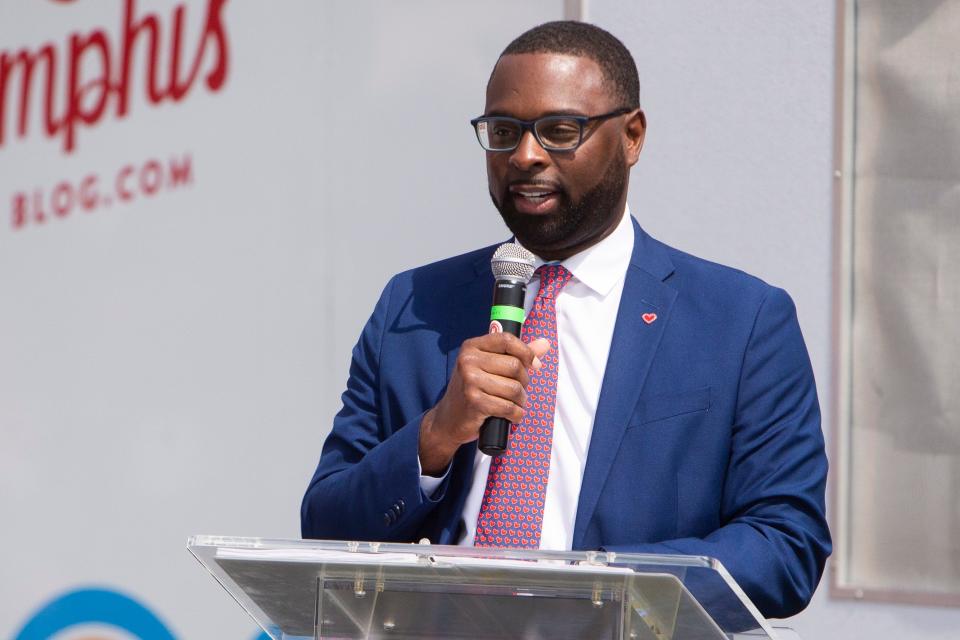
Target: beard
{"x": 575, "y": 222}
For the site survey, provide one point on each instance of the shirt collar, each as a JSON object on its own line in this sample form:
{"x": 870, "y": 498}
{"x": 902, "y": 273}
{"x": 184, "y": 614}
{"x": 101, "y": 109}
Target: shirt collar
{"x": 604, "y": 264}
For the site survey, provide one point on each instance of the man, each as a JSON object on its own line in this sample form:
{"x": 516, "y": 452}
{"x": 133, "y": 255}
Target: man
{"x": 662, "y": 404}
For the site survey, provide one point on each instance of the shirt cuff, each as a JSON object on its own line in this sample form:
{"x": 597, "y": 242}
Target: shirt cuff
{"x": 429, "y": 484}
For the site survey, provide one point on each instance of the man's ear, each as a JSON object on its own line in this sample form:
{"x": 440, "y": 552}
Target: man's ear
{"x": 634, "y": 131}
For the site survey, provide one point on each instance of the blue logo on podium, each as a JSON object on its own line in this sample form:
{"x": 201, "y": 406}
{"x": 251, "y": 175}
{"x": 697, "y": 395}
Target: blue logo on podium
{"x": 94, "y": 607}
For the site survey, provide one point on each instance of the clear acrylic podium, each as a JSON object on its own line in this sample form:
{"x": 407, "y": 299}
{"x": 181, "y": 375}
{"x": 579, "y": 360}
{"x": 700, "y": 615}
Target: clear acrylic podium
{"x": 351, "y": 590}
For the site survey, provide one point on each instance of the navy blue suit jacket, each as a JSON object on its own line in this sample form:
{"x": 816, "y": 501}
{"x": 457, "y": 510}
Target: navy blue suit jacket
{"x": 706, "y": 439}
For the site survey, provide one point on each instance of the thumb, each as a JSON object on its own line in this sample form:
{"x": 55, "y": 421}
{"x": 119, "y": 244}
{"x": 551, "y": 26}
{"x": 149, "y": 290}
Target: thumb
{"x": 540, "y": 346}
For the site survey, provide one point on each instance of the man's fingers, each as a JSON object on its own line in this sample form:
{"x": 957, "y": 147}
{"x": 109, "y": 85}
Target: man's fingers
{"x": 506, "y": 388}
{"x": 494, "y": 374}
{"x": 502, "y": 408}
{"x": 500, "y": 364}
{"x": 483, "y": 405}
{"x": 505, "y": 343}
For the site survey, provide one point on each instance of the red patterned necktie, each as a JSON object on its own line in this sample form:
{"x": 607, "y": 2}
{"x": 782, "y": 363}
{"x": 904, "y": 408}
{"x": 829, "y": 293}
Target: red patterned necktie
{"x": 511, "y": 514}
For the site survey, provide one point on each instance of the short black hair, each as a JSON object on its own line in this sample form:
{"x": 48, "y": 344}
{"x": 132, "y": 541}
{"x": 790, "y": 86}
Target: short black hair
{"x": 581, "y": 39}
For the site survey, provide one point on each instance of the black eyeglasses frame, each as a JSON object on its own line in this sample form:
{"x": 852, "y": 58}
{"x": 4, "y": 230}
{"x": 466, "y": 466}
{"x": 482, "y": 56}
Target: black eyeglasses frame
{"x": 531, "y": 126}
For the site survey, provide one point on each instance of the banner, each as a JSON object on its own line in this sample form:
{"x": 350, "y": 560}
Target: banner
{"x": 162, "y": 327}
{"x": 199, "y": 204}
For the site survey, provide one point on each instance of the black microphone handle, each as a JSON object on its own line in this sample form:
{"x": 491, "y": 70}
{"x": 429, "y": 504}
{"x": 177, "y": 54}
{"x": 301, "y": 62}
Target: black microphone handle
{"x": 506, "y": 316}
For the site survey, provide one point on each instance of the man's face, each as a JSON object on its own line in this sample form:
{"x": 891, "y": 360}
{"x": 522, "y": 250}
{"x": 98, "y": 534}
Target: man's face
{"x": 586, "y": 189}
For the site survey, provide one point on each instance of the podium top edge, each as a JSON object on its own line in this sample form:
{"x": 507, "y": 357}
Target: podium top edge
{"x": 208, "y": 543}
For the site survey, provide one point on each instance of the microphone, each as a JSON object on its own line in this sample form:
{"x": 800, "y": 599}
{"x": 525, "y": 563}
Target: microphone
{"x": 512, "y": 267}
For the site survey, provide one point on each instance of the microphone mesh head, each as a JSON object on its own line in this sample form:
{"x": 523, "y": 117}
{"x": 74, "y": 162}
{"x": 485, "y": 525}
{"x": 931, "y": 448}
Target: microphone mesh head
{"x": 512, "y": 261}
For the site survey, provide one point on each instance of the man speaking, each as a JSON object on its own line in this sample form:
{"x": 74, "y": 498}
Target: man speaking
{"x": 659, "y": 403}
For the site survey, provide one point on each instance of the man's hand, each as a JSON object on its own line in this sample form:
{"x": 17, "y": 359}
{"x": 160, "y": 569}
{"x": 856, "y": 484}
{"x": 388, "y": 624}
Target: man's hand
{"x": 489, "y": 379}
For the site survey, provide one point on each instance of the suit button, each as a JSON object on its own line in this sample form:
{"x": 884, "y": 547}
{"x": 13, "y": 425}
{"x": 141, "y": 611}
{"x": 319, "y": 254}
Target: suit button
{"x": 401, "y": 504}
{"x": 387, "y": 518}
{"x": 395, "y": 510}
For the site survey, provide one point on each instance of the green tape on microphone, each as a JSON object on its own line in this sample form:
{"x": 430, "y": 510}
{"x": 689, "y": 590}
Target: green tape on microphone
{"x": 501, "y": 312}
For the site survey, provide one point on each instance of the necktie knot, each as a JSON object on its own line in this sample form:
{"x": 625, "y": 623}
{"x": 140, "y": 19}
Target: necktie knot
{"x": 553, "y": 277}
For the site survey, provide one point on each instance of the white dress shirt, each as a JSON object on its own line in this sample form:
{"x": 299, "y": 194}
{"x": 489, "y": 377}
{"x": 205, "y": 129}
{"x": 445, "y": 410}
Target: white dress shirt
{"x": 586, "y": 315}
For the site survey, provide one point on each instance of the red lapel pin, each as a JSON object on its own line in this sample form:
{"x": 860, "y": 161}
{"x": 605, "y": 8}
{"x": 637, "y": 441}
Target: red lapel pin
{"x": 649, "y": 317}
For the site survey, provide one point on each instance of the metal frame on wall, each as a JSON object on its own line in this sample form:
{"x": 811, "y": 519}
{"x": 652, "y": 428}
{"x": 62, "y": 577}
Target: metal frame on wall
{"x": 840, "y": 442}
{"x": 574, "y": 9}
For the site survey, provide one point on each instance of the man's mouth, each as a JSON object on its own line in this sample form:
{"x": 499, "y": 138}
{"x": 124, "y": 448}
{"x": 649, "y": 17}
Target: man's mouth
{"x": 534, "y": 199}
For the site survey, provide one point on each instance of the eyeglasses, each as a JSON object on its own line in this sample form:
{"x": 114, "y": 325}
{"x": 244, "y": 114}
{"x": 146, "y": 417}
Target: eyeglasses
{"x": 554, "y": 133}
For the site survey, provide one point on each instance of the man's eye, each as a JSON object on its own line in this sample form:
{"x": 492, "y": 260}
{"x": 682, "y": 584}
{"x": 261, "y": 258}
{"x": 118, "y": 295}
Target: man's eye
{"x": 504, "y": 132}
{"x": 561, "y": 131}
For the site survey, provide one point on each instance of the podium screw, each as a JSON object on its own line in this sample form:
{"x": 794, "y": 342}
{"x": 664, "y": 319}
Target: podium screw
{"x": 597, "y": 596}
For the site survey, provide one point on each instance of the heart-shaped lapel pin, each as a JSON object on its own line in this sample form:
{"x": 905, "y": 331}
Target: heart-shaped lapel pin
{"x": 649, "y": 317}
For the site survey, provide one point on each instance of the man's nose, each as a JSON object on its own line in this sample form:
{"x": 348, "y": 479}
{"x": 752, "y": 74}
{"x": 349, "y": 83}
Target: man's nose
{"x": 528, "y": 154}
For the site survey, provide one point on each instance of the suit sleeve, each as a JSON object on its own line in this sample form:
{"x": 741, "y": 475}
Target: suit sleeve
{"x": 367, "y": 483}
{"x": 775, "y": 538}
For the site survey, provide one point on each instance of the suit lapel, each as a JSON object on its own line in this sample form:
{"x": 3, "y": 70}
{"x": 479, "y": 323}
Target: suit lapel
{"x": 632, "y": 349}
